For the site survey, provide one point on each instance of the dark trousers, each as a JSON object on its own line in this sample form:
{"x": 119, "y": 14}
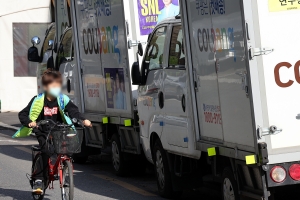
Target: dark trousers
{"x": 41, "y": 165}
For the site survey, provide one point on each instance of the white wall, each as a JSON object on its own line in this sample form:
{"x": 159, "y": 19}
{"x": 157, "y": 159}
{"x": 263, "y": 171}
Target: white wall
{"x": 16, "y": 92}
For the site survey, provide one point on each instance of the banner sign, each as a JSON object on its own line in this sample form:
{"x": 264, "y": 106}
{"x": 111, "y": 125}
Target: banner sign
{"x": 115, "y": 88}
{"x": 151, "y": 12}
{"x": 283, "y": 5}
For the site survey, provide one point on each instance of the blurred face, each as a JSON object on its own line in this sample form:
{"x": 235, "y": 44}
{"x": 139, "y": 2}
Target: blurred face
{"x": 167, "y": 2}
{"x": 54, "y": 88}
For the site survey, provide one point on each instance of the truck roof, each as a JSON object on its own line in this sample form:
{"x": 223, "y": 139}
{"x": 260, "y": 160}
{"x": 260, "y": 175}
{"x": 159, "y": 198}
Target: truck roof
{"x": 170, "y": 20}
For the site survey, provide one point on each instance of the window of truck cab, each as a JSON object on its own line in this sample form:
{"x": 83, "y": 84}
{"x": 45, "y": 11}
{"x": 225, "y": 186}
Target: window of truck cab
{"x": 176, "y": 58}
{"x": 154, "y": 56}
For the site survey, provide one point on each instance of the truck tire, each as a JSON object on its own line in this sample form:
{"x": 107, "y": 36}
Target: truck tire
{"x": 163, "y": 174}
{"x": 229, "y": 186}
{"x": 118, "y": 161}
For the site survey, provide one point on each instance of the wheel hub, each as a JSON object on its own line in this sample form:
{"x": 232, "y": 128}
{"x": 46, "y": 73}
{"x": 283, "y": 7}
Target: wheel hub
{"x": 228, "y": 191}
{"x": 160, "y": 169}
{"x": 115, "y": 156}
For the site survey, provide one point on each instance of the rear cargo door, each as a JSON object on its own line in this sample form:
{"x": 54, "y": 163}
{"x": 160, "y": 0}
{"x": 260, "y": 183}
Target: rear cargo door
{"x": 89, "y": 52}
{"x": 281, "y": 76}
{"x": 104, "y": 57}
{"x": 204, "y": 69}
{"x": 233, "y": 75}
{"x": 220, "y": 64}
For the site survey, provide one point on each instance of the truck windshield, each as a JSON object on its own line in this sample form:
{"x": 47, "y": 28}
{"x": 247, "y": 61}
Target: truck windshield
{"x": 49, "y": 36}
{"x": 65, "y": 50}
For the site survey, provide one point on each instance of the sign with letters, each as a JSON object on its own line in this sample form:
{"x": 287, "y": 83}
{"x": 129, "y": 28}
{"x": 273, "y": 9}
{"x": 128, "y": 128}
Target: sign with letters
{"x": 151, "y": 12}
{"x": 283, "y": 5}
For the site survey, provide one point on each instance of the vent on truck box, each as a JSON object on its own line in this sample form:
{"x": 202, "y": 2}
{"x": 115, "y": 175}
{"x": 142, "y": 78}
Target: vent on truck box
{"x": 94, "y": 136}
{"x": 130, "y": 140}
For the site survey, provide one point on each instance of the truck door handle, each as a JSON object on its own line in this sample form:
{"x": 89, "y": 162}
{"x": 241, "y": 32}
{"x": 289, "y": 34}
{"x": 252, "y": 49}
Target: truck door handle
{"x": 161, "y": 100}
{"x": 69, "y": 85}
{"x": 183, "y": 103}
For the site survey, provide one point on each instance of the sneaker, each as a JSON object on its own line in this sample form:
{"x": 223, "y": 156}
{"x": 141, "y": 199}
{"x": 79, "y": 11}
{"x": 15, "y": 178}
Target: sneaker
{"x": 38, "y": 187}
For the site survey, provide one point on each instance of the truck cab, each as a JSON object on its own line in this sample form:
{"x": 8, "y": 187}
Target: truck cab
{"x": 165, "y": 115}
{"x": 163, "y": 95}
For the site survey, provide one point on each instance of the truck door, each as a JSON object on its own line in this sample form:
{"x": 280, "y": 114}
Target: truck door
{"x": 150, "y": 109}
{"x": 67, "y": 66}
{"x": 103, "y": 55}
{"x": 232, "y": 71}
{"x": 89, "y": 44}
{"x": 175, "y": 118}
{"x": 205, "y": 71}
{"x": 220, "y": 63}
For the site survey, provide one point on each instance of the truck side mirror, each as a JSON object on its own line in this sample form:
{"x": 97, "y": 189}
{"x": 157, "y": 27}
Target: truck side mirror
{"x": 35, "y": 41}
{"x": 33, "y": 52}
{"x": 135, "y": 74}
{"x": 50, "y": 63}
{"x": 140, "y": 49}
{"x": 50, "y": 44}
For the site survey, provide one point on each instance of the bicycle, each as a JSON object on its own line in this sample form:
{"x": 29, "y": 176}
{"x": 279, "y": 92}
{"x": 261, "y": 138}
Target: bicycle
{"x": 62, "y": 140}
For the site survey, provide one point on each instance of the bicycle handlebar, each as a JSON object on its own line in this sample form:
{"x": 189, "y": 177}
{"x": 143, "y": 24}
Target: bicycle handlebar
{"x": 47, "y": 121}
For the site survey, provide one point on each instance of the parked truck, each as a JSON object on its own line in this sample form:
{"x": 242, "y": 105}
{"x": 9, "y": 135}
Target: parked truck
{"x": 213, "y": 104}
{"x": 90, "y": 48}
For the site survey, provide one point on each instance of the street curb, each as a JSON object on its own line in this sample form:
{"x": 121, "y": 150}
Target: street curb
{"x": 8, "y": 127}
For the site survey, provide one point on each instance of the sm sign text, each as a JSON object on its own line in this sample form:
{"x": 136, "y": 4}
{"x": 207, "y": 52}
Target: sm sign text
{"x": 282, "y": 65}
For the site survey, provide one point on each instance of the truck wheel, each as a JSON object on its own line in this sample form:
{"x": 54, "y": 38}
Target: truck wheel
{"x": 163, "y": 174}
{"x": 117, "y": 156}
{"x": 229, "y": 185}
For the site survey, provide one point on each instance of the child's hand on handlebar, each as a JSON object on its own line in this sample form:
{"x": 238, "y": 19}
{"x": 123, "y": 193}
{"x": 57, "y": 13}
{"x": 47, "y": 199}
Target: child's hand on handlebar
{"x": 87, "y": 123}
{"x": 32, "y": 125}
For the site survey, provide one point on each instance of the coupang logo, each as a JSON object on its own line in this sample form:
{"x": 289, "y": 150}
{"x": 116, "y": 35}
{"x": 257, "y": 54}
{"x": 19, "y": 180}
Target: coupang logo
{"x": 101, "y": 40}
{"x": 218, "y": 39}
{"x": 279, "y": 67}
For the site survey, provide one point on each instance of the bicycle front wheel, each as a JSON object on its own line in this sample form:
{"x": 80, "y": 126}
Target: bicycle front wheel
{"x": 67, "y": 191}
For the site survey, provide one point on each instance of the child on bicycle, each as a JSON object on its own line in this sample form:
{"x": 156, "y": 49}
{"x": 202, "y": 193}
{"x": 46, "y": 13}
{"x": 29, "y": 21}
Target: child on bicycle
{"x": 51, "y": 104}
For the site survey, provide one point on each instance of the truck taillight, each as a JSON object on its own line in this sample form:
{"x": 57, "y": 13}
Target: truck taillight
{"x": 278, "y": 174}
{"x": 294, "y": 172}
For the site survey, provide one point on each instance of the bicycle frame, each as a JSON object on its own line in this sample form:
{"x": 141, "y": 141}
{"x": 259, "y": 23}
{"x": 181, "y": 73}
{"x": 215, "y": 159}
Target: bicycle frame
{"x": 57, "y": 168}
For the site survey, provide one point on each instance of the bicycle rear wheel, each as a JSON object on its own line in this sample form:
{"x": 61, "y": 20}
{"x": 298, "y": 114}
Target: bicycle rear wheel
{"x": 67, "y": 191}
{"x": 36, "y": 155}
{"x": 37, "y": 196}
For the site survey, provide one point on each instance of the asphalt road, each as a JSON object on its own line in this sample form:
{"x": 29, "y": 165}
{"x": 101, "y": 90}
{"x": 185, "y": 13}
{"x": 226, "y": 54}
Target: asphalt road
{"x": 93, "y": 181}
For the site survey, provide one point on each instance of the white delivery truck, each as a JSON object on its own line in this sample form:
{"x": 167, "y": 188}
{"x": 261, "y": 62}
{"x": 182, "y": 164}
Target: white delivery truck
{"x": 222, "y": 101}
{"x": 91, "y": 52}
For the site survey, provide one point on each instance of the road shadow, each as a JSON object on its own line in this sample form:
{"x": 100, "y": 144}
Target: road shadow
{"x": 17, "y": 194}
